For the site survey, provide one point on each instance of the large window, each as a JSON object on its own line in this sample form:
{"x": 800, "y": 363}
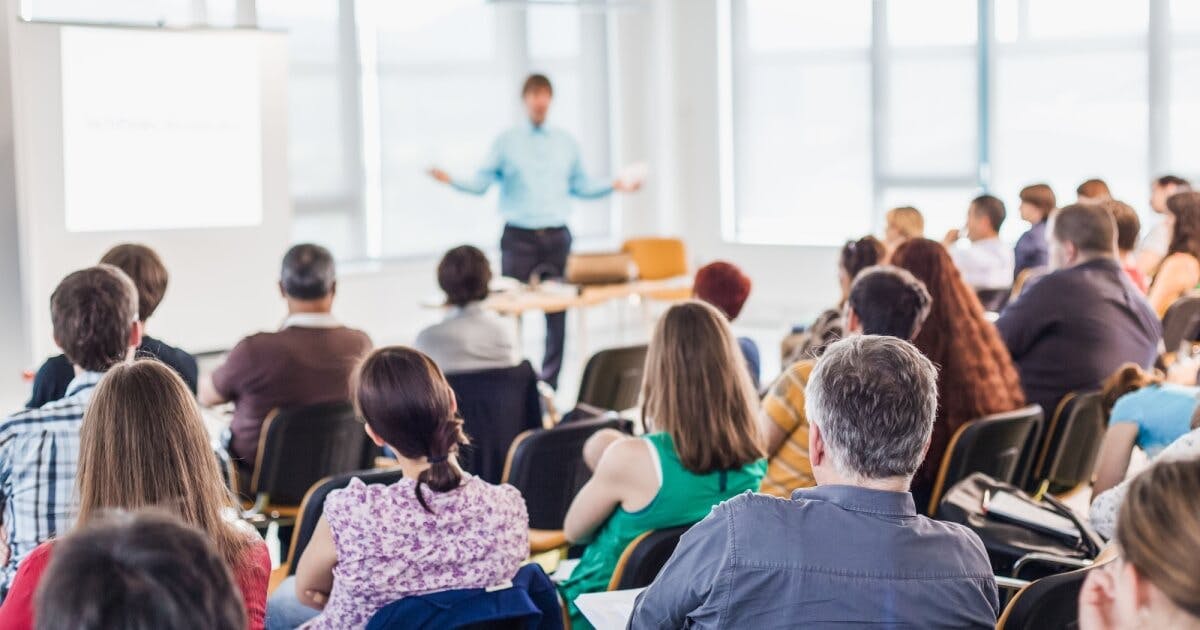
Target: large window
{"x": 844, "y": 109}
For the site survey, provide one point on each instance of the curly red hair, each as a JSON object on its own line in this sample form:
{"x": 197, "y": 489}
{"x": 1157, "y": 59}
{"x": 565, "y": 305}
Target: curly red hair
{"x": 976, "y": 375}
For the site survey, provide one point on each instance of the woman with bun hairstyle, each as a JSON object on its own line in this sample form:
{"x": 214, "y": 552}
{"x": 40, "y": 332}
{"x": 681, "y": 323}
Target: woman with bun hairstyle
{"x": 437, "y": 529}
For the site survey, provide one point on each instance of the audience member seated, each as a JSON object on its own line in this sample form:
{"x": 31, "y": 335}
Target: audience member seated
{"x": 976, "y": 376}
{"x": 702, "y": 448}
{"x": 809, "y": 343}
{"x": 987, "y": 263}
{"x": 95, "y": 322}
{"x": 308, "y": 361}
{"x": 1179, "y": 272}
{"x": 851, "y": 552}
{"x": 903, "y": 223}
{"x": 470, "y": 338}
{"x": 144, "y": 267}
{"x": 1077, "y": 325}
{"x": 883, "y": 300}
{"x": 1128, "y": 228}
{"x": 143, "y": 444}
{"x": 724, "y": 286}
{"x": 1092, "y": 191}
{"x": 1154, "y": 582}
{"x": 436, "y": 529}
{"x": 1145, "y": 412}
{"x": 143, "y": 570}
{"x": 1106, "y": 505}
{"x": 1154, "y": 245}
{"x": 1037, "y": 203}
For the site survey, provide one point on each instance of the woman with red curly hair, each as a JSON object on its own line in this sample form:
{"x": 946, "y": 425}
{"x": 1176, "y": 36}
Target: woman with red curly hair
{"x": 976, "y": 375}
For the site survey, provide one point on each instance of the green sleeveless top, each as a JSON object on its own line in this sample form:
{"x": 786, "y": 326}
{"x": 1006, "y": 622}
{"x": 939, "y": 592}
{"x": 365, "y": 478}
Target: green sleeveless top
{"x": 684, "y": 498}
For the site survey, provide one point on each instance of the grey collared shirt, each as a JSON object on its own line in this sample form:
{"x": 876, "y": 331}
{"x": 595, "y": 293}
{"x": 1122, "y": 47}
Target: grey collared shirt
{"x": 470, "y": 338}
{"x": 831, "y": 556}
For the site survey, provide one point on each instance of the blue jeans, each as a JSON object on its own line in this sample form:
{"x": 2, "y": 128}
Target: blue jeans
{"x": 284, "y": 610}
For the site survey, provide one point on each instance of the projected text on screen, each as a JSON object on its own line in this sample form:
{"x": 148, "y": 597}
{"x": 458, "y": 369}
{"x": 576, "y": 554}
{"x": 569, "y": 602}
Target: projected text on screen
{"x": 161, "y": 130}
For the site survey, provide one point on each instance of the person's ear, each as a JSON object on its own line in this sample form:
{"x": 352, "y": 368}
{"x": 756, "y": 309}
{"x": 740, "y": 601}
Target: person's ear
{"x": 282, "y": 292}
{"x": 853, "y": 322}
{"x": 135, "y": 334}
{"x": 374, "y": 436}
{"x": 816, "y": 446}
{"x": 333, "y": 289}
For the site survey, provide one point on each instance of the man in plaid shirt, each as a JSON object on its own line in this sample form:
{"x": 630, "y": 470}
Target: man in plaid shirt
{"x": 95, "y": 320}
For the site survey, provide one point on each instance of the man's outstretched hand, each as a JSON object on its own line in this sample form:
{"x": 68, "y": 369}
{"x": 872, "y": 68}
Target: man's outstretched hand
{"x": 440, "y": 175}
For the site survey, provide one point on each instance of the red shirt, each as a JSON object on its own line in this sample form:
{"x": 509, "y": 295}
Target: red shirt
{"x": 17, "y": 611}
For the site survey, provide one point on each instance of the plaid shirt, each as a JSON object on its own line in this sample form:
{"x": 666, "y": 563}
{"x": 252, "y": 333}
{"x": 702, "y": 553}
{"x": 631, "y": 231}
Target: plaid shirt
{"x": 39, "y": 453}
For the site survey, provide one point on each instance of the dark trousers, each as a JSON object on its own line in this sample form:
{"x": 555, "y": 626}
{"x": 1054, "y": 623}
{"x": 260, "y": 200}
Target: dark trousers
{"x": 525, "y": 254}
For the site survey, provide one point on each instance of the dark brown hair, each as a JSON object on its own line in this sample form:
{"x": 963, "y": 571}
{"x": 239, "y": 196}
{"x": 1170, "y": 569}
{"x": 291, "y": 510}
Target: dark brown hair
{"x": 536, "y": 82}
{"x": 1185, "y": 237}
{"x": 1128, "y": 378}
{"x": 1090, "y": 228}
{"x": 406, "y": 400}
{"x": 138, "y": 571}
{"x": 142, "y": 420}
{"x": 92, "y": 311}
{"x": 867, "y": 251}
{"x": 889, "y": 301}
{"x": 1040, "y": 196}
{"x": 1172, "y": 180}
{"x": 697, "y": 390}
{"x": 464, "y": 274}
{"x": 976, "y": 375}
{"x": 147, "y": 271}
{"x": 1127, "y": 221}
{"x": 1094, "y": 189}
{"x": 991, "y": 207}
{"x": 1158, "y": 530}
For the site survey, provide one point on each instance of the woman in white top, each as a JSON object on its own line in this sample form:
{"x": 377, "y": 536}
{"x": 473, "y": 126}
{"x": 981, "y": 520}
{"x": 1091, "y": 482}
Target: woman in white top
{"x": 1105, "y": 507}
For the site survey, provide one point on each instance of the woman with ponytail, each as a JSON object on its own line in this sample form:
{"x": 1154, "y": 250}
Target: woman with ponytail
{"x": 1143, "y": 411}
{"x": 437, "y": 529}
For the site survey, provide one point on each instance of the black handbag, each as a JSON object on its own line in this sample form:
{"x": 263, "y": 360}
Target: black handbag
{"x": 1006, "y": 542}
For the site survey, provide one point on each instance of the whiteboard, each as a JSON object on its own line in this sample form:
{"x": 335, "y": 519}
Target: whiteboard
{"x": 101, "y": 160}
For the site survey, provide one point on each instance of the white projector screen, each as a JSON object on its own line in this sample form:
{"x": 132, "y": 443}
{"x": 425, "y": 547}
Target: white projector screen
{"x": 159, "y": 131}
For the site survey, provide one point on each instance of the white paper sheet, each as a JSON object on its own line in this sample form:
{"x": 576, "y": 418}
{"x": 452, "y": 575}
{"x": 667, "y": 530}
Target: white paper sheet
{"x": 609, "y": 610}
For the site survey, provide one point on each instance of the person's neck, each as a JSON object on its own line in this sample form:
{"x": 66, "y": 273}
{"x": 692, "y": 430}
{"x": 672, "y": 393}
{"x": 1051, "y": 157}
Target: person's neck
{"x": 886, "y": 484}
{"x": 412, "y": 468}
{"x": 986, "y": 237}
{"x": 303, "y": 307}
{"x": 1084, "y": 259}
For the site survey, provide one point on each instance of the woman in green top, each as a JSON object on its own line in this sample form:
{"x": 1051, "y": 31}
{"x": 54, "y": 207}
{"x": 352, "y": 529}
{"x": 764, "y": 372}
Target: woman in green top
{"x": 703, "y": 448}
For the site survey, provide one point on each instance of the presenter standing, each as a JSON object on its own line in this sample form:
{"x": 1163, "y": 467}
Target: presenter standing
{"x": 539, "y": 170}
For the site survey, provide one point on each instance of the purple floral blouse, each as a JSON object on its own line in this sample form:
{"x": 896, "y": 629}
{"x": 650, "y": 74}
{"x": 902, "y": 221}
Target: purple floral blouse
{"x": 389, "y": 547}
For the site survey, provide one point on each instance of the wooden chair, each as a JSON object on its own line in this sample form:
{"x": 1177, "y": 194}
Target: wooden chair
{"x": 645, "y": 557}
{"x": 298, "y": 447}
{"x": 547, "y": 466}
{"x": 660, "y": 259}
{"x": 990, "y": 445}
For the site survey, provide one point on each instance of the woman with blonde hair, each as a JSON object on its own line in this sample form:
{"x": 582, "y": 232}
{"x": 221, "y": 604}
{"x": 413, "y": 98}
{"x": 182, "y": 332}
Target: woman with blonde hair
{"x": 1153, "y": 583}
{"x": 1144, "y": 411}
{"x": 903, "y": 223}
{"x": 702, "y": 447}
{"x": 143, "y": 444}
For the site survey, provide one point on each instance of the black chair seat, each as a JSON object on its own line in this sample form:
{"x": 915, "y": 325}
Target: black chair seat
{"x": 645, "y": 557}
{"x": 1049, "y": 603}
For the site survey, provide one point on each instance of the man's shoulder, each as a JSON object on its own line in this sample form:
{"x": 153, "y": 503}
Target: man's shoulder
{"x": 26, "y": 420}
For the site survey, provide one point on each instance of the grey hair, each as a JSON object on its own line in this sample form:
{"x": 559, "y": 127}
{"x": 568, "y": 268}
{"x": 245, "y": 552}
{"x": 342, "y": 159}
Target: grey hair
{"x": 874, "y": 400}
{"x": 307, "y": 272}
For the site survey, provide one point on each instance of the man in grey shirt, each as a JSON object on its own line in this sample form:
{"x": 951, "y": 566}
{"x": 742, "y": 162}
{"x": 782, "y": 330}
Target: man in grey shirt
{"x": 851, "y": 551}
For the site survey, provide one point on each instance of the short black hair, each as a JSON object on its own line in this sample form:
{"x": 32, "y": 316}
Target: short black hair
{"x": 463, "y": 275}
{"x": 138, "y": 571}
{"x": 537, "y": 82}
{"x": 991, "y": 207}
{"x": 1171, "y": 180}
{"x": 307, "y": 272}
{"x": 889, "y": 301}
{"x": 92, "y": 311}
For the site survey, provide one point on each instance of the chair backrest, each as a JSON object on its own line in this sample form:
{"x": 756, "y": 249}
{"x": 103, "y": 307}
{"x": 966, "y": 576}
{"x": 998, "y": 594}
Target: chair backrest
{"x": 302, "y": 445}
{"x": 546, "y": 465}
{"x": 612, "y": 379}
{"x": 530, "y": 602}
{"x": 643, "y": 558}
{"x": 1068, "y": 452}
{"x": 1181, "y": 322}
{"x": 993, "y": 299}
{"x": 991, "y": 445}
{"x": 313, "y": 506}
{"x": 496, "y": 406}
{"x": 657, "y": 258}
{"x": 1051, "y": 602}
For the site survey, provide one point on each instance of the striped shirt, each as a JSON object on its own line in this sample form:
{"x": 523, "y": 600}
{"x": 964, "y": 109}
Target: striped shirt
{"x": 789, "y": 467}
{"x": 39, "y": 453}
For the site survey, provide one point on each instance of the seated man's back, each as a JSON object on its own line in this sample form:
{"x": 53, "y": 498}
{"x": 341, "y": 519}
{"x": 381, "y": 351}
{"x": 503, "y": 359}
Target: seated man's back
{"x": 296, "y": 366}
{"x": 830, "y": 556}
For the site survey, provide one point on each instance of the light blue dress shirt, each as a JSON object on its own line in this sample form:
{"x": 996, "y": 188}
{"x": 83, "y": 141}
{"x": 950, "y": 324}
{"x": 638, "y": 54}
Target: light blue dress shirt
{"x": 539, "y": 170}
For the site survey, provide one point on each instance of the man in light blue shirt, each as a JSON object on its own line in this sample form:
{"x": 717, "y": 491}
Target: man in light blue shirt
{"x": 539, "y": 170}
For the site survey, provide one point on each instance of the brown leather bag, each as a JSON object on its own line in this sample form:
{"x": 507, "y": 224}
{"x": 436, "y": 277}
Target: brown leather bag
{"x": 600, "y": 268}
